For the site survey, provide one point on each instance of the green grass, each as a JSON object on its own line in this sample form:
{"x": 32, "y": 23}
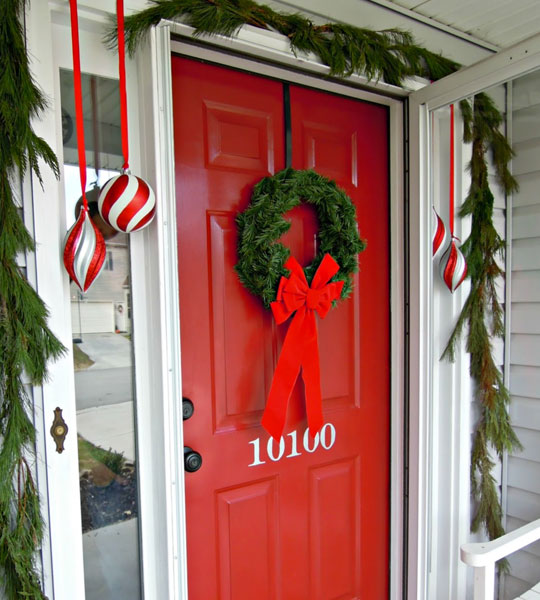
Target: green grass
{"x": 92, "y": 457}
{"x": 81, "y": 361}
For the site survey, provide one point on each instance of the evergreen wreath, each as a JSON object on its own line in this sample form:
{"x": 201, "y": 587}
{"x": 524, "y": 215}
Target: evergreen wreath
{"x": 261, "y": 257}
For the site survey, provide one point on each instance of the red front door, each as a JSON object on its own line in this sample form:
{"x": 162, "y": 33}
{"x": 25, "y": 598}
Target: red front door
{"x": 304, "y": 519}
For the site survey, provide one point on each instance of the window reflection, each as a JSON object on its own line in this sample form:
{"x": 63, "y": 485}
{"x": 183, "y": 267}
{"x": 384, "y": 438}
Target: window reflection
{"x": 102, "y": 348}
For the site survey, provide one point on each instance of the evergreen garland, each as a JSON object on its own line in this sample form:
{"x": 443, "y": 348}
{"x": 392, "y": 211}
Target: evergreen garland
{"x": 26, "y": 343}
{"x": 391, "y": 55}
{"x": 261, "y": 257}
{"x": 482, "y": 312}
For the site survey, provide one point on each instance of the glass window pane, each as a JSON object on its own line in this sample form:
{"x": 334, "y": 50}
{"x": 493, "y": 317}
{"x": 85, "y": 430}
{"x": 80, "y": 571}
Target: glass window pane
{"x": 103, "y": 357}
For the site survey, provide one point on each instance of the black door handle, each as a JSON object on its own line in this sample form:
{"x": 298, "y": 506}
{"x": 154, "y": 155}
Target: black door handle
{"x": 192, "y": 460}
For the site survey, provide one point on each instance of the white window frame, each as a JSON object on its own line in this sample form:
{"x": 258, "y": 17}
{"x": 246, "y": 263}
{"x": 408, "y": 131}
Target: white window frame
{"x": 425, "y": 567}
{"x": 156, "y": 423}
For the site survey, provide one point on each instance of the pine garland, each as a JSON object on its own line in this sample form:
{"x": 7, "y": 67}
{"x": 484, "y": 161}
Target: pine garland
{"x": 261, "y": 257}
{"x": 482, "y": 312}
{"x": 392, "y": 55}
{"x": 26, "y": 343}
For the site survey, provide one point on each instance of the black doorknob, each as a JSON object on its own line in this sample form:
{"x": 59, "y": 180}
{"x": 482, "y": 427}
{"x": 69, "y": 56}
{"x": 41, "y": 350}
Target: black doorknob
{"x": 187, "y": 409}
{"x": 192, "y": 460}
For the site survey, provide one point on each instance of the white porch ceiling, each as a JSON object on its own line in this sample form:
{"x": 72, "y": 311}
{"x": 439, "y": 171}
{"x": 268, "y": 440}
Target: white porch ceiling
{"x": 501, "y": 23}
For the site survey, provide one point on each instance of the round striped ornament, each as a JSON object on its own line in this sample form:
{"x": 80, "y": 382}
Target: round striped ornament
{"x": 84, "y": 251}
{"x": 453, "y": 267}
{"x": 127, "y": 203}
{"x": 438, "y": 233}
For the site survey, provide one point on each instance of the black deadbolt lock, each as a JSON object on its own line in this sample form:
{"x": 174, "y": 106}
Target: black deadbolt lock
{"x": 187, "y": 409}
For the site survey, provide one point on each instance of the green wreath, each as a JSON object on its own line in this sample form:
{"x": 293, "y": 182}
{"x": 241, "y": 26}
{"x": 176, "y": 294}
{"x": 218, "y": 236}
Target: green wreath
{"x": 261, "y": 257}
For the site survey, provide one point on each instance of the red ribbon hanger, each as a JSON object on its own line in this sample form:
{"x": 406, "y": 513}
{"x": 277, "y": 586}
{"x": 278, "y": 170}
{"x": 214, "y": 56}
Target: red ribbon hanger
{"x": 452, "y": 185}
{"x": 453, "y": 265}
{"x": 300, "y": 348}
{"x": 122, "y": 77}
{"x": 77, "y": 88}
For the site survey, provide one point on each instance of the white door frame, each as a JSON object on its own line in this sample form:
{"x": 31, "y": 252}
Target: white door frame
{"x": 423, "y": 567}
{"x": 156, "y": 97}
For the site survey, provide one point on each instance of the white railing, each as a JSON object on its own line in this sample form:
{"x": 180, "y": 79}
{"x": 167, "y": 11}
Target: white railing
{"x": 483, "y": 556}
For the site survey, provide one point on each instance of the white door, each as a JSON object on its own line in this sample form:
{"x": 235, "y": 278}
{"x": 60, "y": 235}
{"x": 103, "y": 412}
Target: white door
{"x": 440, "y": 416}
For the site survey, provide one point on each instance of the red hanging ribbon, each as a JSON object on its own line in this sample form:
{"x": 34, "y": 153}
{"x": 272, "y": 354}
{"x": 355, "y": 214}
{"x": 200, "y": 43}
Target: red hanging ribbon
{"x": 453, "y": 264}
{"x": 122, "y": 76}
{"x": 300, "y": 348}
{"x": 77, "y": 87}
{"x": 452, "y": 171}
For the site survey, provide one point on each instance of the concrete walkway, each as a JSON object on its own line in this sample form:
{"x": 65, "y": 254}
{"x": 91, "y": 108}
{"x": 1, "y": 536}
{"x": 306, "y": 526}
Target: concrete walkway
{"x": 111, "y": 562}
{"x": 105, "y": 394}
{"x": 105, "y": 418}
{"x": 107, "y": 350}
{"x": 109, "y": 427}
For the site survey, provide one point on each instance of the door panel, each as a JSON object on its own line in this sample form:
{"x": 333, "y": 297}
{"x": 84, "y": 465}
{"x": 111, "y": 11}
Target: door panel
{"x": 306, "y": 518}
{"x": 249, "y": 513}
{"x": 334, "y": 530}
{"x": 234, "y": 331}
{"x": 227, "y": 348}
{"x": 354, "y": 338}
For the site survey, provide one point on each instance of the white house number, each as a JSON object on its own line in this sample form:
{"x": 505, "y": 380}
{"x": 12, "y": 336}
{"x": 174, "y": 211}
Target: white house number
{"x": 326, "y": 438}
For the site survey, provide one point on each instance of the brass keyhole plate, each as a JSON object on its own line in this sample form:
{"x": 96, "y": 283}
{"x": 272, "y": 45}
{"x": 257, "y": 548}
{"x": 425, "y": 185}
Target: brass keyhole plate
{"x": 59, "y": 430}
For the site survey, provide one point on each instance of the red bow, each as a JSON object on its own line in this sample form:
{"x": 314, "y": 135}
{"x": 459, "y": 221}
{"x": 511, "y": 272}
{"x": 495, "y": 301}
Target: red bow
{"x": 300, "y": 348}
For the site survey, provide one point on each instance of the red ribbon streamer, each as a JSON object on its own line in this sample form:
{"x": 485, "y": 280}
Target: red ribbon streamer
{"x": 452, "y": 171}
{"x": 77, "y": 88}
{"x": 300, "y": 348}
{"x": 122, "y": 76}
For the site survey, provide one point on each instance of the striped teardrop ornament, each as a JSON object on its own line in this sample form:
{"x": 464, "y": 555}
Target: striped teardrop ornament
{"x": 127, "y": 203}
{"x": 84, "y": 251}
{"x": 438, "y": 233}
{"x": 453, "y": 266}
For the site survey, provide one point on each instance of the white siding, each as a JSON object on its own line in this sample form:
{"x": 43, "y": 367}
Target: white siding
{"x": 523, "y": 468}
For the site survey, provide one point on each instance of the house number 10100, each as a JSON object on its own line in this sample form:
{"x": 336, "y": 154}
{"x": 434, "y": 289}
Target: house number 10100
{"x": 326, "y": 439}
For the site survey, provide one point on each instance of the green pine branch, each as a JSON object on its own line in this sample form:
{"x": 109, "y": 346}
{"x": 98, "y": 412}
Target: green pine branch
{"x": 390, "y": 55}
{"x": 26, "y": 343}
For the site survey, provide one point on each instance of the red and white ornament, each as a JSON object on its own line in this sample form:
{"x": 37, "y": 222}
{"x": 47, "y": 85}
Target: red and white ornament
{"x": 84, "y": 251}
{"x": 438, "y": 233}
{"x": 453, "y": 267}
{"x": 127, "y": 203}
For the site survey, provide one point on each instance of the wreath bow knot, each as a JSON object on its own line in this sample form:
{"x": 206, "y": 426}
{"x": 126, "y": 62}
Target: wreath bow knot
{"x": 300, "y": 348}
{"x": 294, "y": 291}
